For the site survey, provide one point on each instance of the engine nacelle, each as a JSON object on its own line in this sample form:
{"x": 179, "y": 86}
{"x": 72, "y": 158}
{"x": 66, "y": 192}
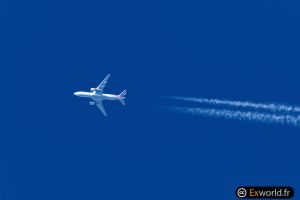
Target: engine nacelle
{"x": 93, "y": 89}
{"x": 92, "y": 103}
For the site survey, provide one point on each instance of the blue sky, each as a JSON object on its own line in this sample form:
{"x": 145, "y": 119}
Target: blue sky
{"x": 53, "y": 145}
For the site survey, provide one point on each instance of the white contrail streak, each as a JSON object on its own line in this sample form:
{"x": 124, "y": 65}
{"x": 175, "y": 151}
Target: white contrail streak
{"x": 244, "y": 104}
{"x": 284, "y": 119}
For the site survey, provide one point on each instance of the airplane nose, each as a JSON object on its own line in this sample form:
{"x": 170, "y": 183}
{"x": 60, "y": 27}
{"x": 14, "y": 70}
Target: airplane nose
{"x": 76, "y": 93}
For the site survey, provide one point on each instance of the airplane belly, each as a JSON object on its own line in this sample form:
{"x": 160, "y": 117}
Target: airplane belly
{"x": 109, "y": 97}
{"x": 97, "y": 98}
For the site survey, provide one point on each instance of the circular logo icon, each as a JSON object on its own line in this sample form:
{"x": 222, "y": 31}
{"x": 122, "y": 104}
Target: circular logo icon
{"x": 241, "y": 192}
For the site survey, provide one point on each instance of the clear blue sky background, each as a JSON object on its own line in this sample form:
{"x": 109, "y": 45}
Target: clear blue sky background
{"x": 53, "y": 145}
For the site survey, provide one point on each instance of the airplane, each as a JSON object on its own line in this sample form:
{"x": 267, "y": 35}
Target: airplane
{"x": 98, "y": 96}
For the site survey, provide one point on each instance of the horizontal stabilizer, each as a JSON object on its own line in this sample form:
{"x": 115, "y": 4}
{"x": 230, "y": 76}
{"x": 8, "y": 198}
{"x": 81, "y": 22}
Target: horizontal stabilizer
{"x": 122, "y": 97}
{"x": 123, "y": 93}
{"x": 122, "y": 102}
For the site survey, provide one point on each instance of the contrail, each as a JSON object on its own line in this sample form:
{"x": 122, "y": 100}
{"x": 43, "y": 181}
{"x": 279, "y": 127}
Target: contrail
{"x": 239, "y": 115}
{"x": 244, "y": 104}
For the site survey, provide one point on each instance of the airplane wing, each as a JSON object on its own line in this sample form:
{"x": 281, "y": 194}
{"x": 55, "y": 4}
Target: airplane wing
{"x": 101, "y": 86}
{"x": 100, "y": 106}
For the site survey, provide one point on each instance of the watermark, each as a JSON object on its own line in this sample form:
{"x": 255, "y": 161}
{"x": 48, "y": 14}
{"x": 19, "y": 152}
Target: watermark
{"x": 249, "y": 192}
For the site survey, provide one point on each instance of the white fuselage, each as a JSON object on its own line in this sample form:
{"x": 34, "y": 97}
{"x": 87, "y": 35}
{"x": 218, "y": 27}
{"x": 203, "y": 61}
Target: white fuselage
{"x": 98, "y": 97}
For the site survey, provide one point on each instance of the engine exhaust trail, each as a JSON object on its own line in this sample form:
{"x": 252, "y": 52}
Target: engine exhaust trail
{"x": 272, "y": 107}
{"x": 283, "y": 119}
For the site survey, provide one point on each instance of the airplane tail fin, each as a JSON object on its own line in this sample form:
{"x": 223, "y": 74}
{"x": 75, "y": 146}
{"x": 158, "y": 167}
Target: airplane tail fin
{"x": 123, "y": 97}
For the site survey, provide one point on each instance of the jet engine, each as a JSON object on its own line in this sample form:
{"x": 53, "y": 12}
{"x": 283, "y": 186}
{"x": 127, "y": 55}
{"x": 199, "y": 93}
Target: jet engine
{"x": 93, "y": 89}
{"x": 92, "y": 103}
